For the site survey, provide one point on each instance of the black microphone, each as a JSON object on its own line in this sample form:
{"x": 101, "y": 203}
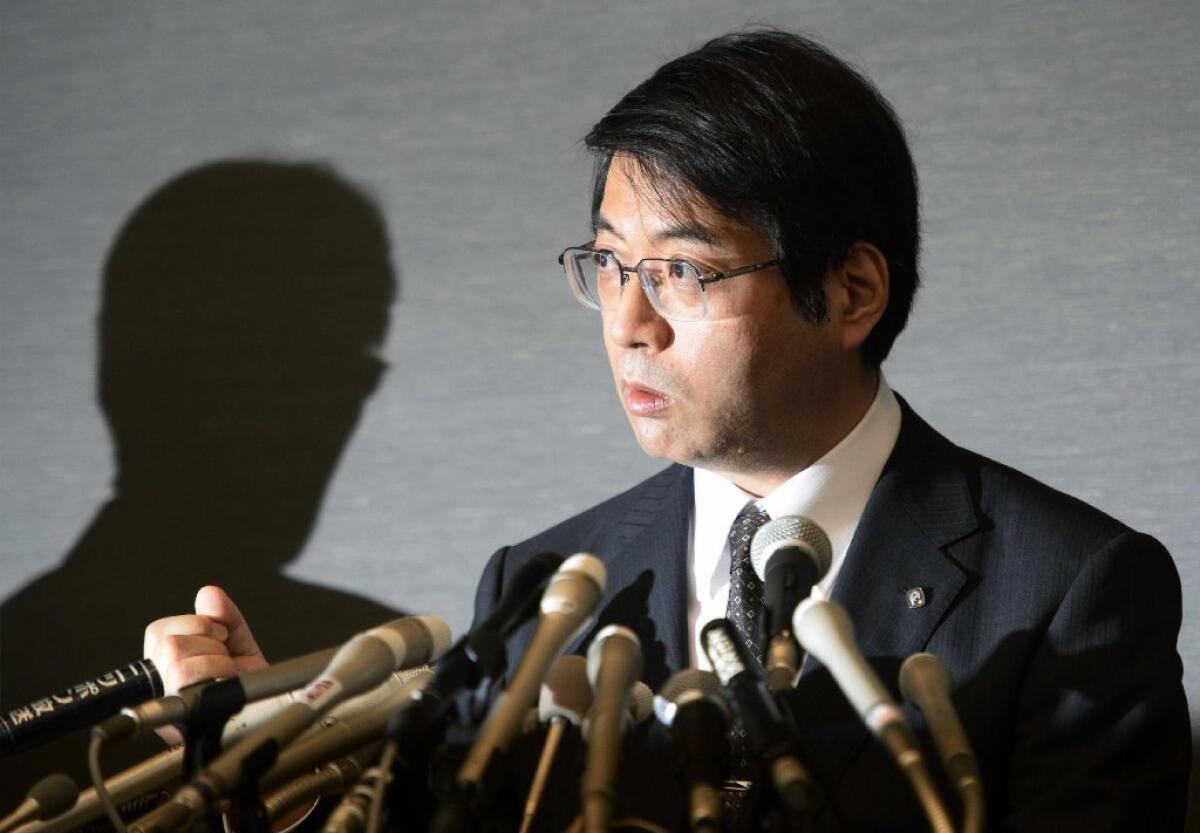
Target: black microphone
{"x": 691, "y": 708}
{"x": 78, "y": 706}
{"x": 768, "y": 733}
{"x": 249, "y": 687}
{"x": 790, "y": 554}
{"x": 614, "y": 663}
{"x": 566, "y": 609}
{"x": 52, "y": 796}
{"x": 478, "y": 655}
{"x": 476, "y": 658}
{"x": 519, "y": 602}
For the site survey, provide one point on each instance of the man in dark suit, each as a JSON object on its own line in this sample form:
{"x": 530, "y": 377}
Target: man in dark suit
{"x": 754, "y": 256}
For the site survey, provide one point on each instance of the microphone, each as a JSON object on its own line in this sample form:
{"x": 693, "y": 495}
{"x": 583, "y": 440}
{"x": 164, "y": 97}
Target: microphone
{"x": 641, "y": 702}
{"x": 345, "y": 729}
{"x": 825, "y": 631}
{"x": 50, "y": 797}
{"x": 244, "y": 688}
{"x": 519, "y": 602}
{"x": 362, "y": 663}
{"x": 790, "y": 555}
{"x": 768, "y": 733}
{"x": 614, "y": 662}
{"x": 565, "y": 698}
{"x": 145, "y": 777}
{"x": 692, "y": 710}
{"x": 566, "y": 607}
{"x": 332, "y": 778}
{"x": 477, "y": 657}
{"x": 566, "y": 695}
{"x": 80, "y": 705}
{"x": 349, "y": 727}
{"x": 925, "y": 682}
{"x": 365, "y": 790}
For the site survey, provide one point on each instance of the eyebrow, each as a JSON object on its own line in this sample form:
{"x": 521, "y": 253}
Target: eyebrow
{"x": 686, "y": 230}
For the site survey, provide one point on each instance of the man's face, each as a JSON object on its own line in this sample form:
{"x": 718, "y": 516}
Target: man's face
{"x": 746, "y": 388}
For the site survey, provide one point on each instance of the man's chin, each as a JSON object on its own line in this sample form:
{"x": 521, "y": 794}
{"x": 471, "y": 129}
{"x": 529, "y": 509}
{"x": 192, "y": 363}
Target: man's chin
{"x": 657, "y": 442}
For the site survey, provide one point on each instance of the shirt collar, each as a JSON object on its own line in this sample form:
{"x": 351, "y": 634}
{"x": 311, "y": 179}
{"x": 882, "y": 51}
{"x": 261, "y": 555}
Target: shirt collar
{"x": 832, "y": 492}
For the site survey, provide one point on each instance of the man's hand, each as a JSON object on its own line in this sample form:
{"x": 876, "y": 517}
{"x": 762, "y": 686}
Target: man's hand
{"x": 213, "y": 642}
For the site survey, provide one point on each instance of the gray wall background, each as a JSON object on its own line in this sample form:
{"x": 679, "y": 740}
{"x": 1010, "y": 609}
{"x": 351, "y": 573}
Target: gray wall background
{"x": 1056, "y": 144}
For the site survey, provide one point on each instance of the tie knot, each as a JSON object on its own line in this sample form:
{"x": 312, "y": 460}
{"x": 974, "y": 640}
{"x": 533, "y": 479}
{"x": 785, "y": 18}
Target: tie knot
{"x": 744, "y": 526}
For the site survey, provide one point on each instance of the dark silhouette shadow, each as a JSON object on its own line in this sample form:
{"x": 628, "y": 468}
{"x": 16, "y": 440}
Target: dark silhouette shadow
{"x": 1193, "y": 816}
{"x": 243, "y": 303}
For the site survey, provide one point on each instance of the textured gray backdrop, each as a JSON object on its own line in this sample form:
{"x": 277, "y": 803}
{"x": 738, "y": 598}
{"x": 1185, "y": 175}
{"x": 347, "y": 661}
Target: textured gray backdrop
{"x": 1056, "y": 144}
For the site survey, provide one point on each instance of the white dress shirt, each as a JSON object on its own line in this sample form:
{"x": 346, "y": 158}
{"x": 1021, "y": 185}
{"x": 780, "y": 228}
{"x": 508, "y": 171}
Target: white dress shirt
{"x": 832, "y": 492}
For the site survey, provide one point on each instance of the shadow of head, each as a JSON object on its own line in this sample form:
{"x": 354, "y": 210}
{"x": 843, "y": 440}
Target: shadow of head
{"x": 243, "y": 304}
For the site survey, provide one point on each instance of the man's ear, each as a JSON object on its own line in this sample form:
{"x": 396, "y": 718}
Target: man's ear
{"x": 858, "y": 293}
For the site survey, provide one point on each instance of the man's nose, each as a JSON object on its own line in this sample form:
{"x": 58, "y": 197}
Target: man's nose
{"x": 635, "y": 322}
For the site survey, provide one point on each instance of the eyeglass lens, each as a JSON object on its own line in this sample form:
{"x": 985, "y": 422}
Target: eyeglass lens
{"x": 673, "y": 285}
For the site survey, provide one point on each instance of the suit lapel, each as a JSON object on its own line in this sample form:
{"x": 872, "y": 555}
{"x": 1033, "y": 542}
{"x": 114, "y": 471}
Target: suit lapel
{"x": 646, "y": 557}
{"x": 920, "y": 505}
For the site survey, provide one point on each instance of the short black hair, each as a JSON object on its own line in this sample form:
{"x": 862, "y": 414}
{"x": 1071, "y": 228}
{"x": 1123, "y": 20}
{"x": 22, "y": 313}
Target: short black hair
{"x": 771, "y": 129}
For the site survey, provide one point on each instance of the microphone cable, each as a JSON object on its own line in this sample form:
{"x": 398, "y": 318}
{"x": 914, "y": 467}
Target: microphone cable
{"x": 95, "y": 744}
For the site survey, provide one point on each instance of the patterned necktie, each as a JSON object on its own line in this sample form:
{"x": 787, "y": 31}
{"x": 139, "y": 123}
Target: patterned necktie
{"x": 745, "y": 611}
{"x": 745, "y": 590}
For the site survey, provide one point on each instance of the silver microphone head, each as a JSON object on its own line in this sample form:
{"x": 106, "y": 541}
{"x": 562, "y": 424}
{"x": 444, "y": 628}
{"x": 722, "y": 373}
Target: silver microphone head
{"x": 790, "y": 531}
{"x": 684, "y": 687}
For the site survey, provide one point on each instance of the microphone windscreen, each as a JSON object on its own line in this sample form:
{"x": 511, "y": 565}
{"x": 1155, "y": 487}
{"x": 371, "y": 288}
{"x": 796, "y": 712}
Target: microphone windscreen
{"x": 790, "y": 531}
{"x": 923, "y": 670}
{"x": 684, "y": 687}
{"x": 690, "y": 680}
{"x": 566, "y": 691}
{"x": 55, "y": 794}
{"x": 641, "y": 702}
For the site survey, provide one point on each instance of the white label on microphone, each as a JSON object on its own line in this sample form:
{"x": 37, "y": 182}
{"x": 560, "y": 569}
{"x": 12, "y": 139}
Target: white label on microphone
{"x": 882, "y": 716}
{"x": 722, "y": 654}
{"x": 317, "y": 694}
{"x": 559, "y": 603}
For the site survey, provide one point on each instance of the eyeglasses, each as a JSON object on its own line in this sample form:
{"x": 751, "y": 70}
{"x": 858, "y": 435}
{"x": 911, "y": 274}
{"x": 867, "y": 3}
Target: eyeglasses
{"x": 676, "y": 288}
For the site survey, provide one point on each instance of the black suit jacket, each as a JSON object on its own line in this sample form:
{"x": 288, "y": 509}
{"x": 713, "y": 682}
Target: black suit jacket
{"x": 1057, "y": 622}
